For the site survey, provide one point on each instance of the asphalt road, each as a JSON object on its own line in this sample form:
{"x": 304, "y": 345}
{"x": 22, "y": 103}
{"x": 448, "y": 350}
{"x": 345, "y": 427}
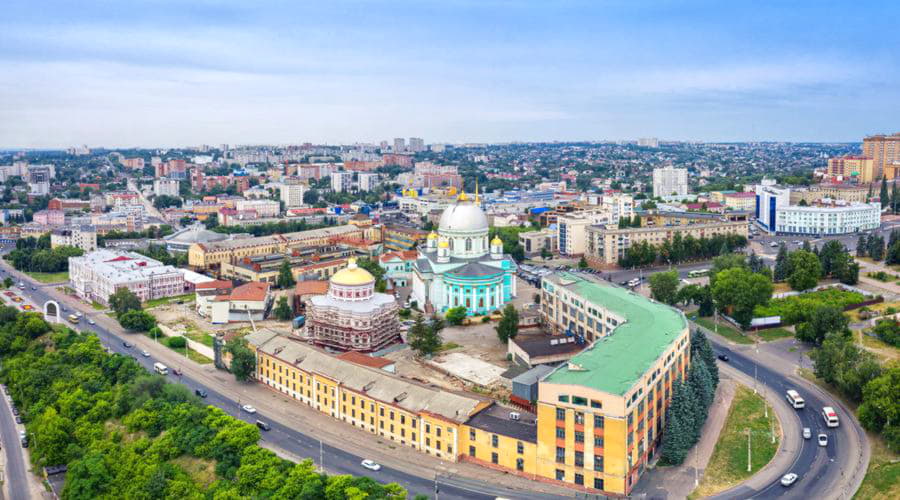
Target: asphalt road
{"x": 820, "y": 468}
{"x": 15, "y": 473}
{"x": 336, "y": 461}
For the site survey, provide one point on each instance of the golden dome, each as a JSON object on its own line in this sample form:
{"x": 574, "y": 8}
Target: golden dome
{"x": 432, "y": 235}
{"x": 444, "y": 244}
{"x": 352, "y": 275}
{"x": 462, "y": 196}
{"x": 496, "y": 241}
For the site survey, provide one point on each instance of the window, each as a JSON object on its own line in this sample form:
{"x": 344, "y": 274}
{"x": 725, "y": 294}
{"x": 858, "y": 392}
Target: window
{"x": 579, "y": 458}
{"x": 598, "y": 483}
{"x": 560, "y": 475}
{"x": 472, "y": 434}
{"x": 578, "y": 400}
{"x": 579, "y": 417}
{"x": 598, "y": 421}
{"x": 560, "y": 414}
{"x": 494, "y": 440}
{"x": 494, "y": 458}
{"x": 392, "y": 415}
{"x": 438, "y": 431}
{"x": 598, "y": 442}
{"x": 428, "y": 442}
{"x": 520, "y": 464}
{"x": 598, "y": 463}
{"x": 381, "y": 411}
{"x": 563, "y": 399}
{"x": 579, "y": 479}
{"x": 471, "y": 451}
{"x": 596, "y": 404}
{"x": 427, "y": 428}
{"x": 520, "y": 448}
{"x": 560, "y": 455}
{"x": 560, "y": 433}
{"x": 579, "y": 437}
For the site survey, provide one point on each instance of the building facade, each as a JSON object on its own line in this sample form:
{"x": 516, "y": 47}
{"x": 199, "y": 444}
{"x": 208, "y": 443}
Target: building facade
{"x": 885, "y": 153}
{"x": 459, "y": 267}
{"x": 97, "y": 275}
{"x": 341, "y": 181}
{"x": 165, "y": 187}
{"x": 352, "y": 316}
{"x": 828, "y": 219}
{"x": 83, "y": 237}
{"x": 858, "y": 168}
{"x": 292, "y": 194}
{"x": 841, "y": 192}
{"x": 669, "y": 181}
{"x": 769, "y": 198}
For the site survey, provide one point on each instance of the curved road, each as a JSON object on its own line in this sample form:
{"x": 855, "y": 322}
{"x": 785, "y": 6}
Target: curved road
{"x": 824, "y": 472}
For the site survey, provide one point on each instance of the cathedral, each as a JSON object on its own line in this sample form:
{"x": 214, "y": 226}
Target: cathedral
{"x": 459, "y": 267}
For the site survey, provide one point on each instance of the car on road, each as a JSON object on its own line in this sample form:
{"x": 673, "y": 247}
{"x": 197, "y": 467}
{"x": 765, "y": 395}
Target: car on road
{"x": 807, "y": 433}
{"x": 24, "y": 441}
{"x": 724, "y": 357}
{"x": 79, "y": 314}
{"x": 177, "y": 371}
{"x": 18, "y": 419}
{"x": 823, "y": 439}
{"x": 201, "y": 392}
{"x": 145, "y": 354}
{"x": 264, "y": 426}
{"x": 774, "y": 244}
{"x": 92, "y": 322}
{"x": 127, "y": 344}
{"x": 370, "y": 464}
{"x": 34, "y": 288}
{"x": 15, "y": 411}
{"x": 249, "y": 409}
{"x": 789, "y": 479}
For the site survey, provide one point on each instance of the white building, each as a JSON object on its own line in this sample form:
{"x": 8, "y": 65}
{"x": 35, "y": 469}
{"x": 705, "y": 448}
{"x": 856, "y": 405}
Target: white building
{"x": 97, "y": 275}
{"x": 263, "y": 208}
{"x": 617, "y": 206}
{"x": 571, "y": 230}
{"x": 367, "y": 180}
{"x": 292, "y": 194}
{"x": 826, "y": 219}
{"x": 669, "y": 180}
{"x": 648, "y": 142}
{"x": 341, "y": 181}
{"x": 165, "y": 187}
{"x": 399, "y": 145}
{"x": 416, "y": 144}
{"x": 769, "y": 198}
{"x": 82, "y": 236}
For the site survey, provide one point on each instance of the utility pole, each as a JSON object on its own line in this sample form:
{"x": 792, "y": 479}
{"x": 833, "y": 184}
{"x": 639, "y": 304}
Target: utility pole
{"x": 321, "y": 456}
{"x": 748, "y": 449}
{"x": 754, "y": 377}
{"x": 437, "y": 490}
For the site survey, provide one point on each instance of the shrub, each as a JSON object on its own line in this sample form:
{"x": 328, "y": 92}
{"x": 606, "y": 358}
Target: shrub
{"x": 176, "y": 342}
{"x": 796, "y": 309}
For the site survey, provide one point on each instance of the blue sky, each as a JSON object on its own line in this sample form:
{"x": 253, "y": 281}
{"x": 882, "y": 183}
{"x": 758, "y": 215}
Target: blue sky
{"x": 171, "y": 73}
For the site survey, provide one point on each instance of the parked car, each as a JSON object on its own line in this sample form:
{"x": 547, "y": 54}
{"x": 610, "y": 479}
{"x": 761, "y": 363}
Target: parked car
{"x": 789, "y": 479}
{"x": 18, "y": 419}
{"x": 807, "y": 434}
{"x": 723, "y": 357}
{"x": 201, "y": 392}
{"x": 823, "y": 440}
{"x": 249, "y": 409}
{"x": 264, "y": 426}
{"x": 177, "y": 371}
{"x": 24, "y": 442}
{"x": 371, "y": 465}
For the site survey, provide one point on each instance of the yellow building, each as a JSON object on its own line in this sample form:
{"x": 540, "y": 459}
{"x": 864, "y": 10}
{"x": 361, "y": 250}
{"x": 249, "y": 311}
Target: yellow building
{"x": 850, "y": 194}
{"x": 885, "y": 153}
{"x": 600, "y": 416}
{"x": 861, "y": 168}
{"x": 396, "y": 409}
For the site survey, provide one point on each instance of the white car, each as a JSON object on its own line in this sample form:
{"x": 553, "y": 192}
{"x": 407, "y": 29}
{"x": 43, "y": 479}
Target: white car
{"x": 823, "y": 440}
{"x": 145, "y": 354}
{"x": 807, "y": 434}
{"x": 370, "y": 464}
{"x": 92, "y": 322}
{"x": 248, "y": 409}
{"x": 789, "y": 479}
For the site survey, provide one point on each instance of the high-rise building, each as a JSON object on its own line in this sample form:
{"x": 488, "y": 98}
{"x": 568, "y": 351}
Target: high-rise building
{"x": 861, "y": 168}
{"x": 885, "y": 151}
{"x": 648, "y": 142}
{"x": 341, "y": 181}
{"x": 416, "y": 144}
{"x": 292, "y": 194}
{"x": 399, "y": 145}
{"x": 668, "y": 181}
{"x": 367, "y": 180}
{"x": 165, "y": 187}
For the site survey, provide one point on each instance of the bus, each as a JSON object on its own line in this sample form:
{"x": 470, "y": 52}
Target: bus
{"x": 698, "y": 273}
{"x": 830, "y": 417}
{"x": 160, "y": 368}
{"x": 793, "y": 397}
{"x": 73, "y": 319}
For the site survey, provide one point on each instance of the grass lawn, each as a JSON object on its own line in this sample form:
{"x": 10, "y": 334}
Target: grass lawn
{"x": 167, "y": 300}
{"x": 447, "y": 346}
{"x": 771, "y": 334}
{"x": 98, "y": 306}
{"x": 725, "y": 330}
{"x": 198, "y": 358}
{"x": 728, "y": 464}
{"x": 880, "y": 308}
{"x": 198, "y": 336}
{"x": 50, "y": 277}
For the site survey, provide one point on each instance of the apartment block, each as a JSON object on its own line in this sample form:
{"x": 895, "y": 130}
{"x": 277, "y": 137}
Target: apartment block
{"x": 668, "y": 181}
{"x": 341, "y": 181}
{"x": 82, "y": 236}
{"x": 292, "y": 194}
{"x": 885, "y": 153}
{"x": 858, "y": 168}
{"x": 165, "y": 187}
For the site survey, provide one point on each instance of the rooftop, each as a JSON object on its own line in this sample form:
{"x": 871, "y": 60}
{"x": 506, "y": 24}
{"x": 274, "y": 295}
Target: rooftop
{"x": 495, "y": 419}
{"x": 615, "y": 363}
{"x": 365, "y": 360}
{"x": 547, "y": 345}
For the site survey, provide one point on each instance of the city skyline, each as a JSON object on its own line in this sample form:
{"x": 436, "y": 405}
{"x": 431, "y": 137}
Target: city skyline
{"x": 161, "y": 74}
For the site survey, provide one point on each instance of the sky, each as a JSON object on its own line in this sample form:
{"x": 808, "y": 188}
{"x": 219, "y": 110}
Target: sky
{"x": 169, "y": 73}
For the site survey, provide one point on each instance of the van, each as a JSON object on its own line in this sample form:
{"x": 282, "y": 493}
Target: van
{"x": 793, "y": 397}
{"x": 830, "y": 417}
{"x": 264, "y": 426}
{"x": 635, "y": 282}
{"x": 160, "y": 368}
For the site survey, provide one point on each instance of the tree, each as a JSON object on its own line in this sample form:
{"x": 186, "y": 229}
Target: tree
{"x": 876, "y": 247}
{"x": 285, "y": 276}
{"x": 880, "y": 409}
{"x": 8, "y": 282}
{"x": 283, "y": 311}
{"x": 726, "y": 261}
{"x": 676, "y": 438}
{"x": 422, "y": 339}
{"x": 137, "y": 320}
{"x": 883, "y": 194}
{"x": 456, "y": 315}
{"x": 311, "y": 197}
{"x": 124, "y": 300}
{"x": 824, "y": 319}
{"x": 664, "y": 286}
{"x": 805, "y": 270}
{"x": 375, "y": 270}
{"x": 707, "y": 306}
{"x": 583, "y": 263}
{"x": 243, "y": 361}
{"x": 782, "y": 264}
{"x": 861, "y": 246}
{"x": 508, "y": 326}
{"x": 546, "y": 254}
{"x": 740, "y": 291}
{"x": 840, "y": 362}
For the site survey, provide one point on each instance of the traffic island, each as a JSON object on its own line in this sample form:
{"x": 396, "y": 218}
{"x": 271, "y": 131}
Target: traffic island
{"x": 748, "y": 441}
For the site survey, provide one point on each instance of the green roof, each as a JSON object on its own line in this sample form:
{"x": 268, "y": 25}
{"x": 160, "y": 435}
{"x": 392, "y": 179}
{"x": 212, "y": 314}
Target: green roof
{"x": 614, "y": 363}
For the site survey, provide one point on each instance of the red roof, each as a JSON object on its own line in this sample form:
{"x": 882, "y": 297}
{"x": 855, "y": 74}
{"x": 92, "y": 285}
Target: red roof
{"x": 216, "y": 284}
{"x": 362, "y": 359}
{"x": 402, "y": 255}
{"x": 312, "y": 287}
{"x": 255, "y": 291}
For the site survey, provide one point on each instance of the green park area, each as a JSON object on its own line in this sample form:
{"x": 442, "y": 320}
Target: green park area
{"x": 728, "y": 465}
{"x": 797, "y": 308}
{"x": 188, "y": 297}
{"x": 59, "y": 277}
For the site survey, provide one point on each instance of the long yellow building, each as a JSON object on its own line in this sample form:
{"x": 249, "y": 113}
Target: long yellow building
{"x": 599, "y": 416}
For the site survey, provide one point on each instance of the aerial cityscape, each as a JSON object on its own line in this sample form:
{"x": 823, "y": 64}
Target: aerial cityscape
{"x": 467, "y": 250}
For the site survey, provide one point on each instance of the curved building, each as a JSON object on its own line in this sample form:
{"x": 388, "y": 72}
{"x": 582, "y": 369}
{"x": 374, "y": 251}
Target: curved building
{"x": 352, "y": 316}
{"x": 460, "y": 267}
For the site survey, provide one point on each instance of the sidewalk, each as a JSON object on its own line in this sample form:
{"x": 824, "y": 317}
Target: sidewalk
{"x": 680, "y": 481}
{"x": 276, "y": 406}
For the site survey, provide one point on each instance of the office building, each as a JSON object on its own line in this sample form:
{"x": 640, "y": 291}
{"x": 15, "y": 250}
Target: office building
{"x": 852, "y": 193}
{"x": 98, "y": 274}
{"x": 292, "y": 194}
{"x": 743, "y": 202}
{"x": 670, "y": 181}
{"x": 221, "y": 302}
{"x": 770, "y": 197}
{"x": 571, "y": 230}
{"x": 263, "y": 208}
{"x": 826, "y": 218}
